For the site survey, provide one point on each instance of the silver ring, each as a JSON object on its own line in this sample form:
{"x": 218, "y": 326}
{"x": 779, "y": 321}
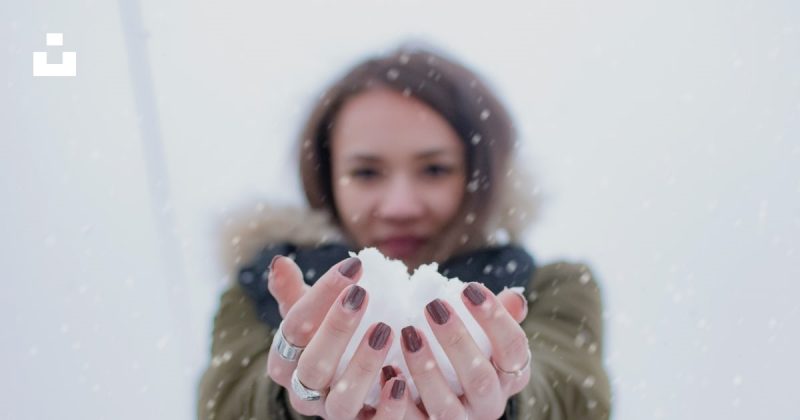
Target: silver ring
{"x": 286, "y": 350}
{"x": 305, "y": 394}
{"x": 515, "y": 373}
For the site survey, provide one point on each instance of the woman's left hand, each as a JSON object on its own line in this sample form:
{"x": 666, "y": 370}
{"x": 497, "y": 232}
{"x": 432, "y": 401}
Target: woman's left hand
{"x": 486, "y": 389}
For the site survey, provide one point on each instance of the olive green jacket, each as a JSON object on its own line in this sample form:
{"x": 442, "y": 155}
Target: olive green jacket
{"x": 564, "y": 325}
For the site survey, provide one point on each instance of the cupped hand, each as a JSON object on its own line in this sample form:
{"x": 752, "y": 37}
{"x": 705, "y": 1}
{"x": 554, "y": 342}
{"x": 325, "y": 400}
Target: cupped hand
{"x": 323, "y": 318}
{"x": 487, "y": 382}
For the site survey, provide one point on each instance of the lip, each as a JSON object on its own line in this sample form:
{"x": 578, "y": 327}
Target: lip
{"x": 400, "y": 246}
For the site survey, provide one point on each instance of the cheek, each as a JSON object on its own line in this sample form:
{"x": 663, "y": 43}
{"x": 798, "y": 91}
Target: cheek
{"x": 446, "y": 199}
{"x": 353, "y": 207}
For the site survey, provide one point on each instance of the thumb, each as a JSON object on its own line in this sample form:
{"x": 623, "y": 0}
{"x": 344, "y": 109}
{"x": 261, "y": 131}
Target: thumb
{"x": 285, "y": 283}
{"x": 515, "y": 303}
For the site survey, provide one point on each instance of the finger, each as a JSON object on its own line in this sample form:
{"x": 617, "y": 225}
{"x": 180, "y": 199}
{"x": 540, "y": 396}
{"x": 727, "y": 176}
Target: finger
{"x": 366, "y": 413}
{"x": 412, "y": 411}
{"x": 394, "y": 402}
{"x": 348, "y": 393}
{"x": 438, "y": 398}
{"x": 285, "y": 282}
{"x": 306, "y": 408}
{"x": 319, "y": 360}
{"x": 509, "y": 341}
{"x": 387, "y": 373}
{"x": 307, "y": 313}
{"x": 484, "y": 396}
{"x": 305, "y": 316}
{"x": 515, "y": 303}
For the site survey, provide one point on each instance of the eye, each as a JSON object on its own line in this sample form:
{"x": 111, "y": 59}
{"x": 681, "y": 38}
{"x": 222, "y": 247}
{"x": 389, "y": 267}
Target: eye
{"x": 437, "y": 170}
{"x": 364, "y": 173}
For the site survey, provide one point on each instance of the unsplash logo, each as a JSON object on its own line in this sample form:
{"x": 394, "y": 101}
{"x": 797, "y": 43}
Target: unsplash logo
{"x": 69, "y": 60}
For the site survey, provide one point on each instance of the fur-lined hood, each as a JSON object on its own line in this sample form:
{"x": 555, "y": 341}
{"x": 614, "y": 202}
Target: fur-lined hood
{"x": 256, "y": 224}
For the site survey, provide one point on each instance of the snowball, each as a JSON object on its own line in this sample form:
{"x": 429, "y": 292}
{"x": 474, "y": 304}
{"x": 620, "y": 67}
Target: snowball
{"x": 399, "y": 300}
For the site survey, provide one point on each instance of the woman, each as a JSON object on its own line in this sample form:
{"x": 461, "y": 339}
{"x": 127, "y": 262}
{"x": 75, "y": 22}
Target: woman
{"x": 410, "y": 153}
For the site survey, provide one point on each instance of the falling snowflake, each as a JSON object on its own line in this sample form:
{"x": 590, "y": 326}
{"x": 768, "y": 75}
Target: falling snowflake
{"x": 511, "y": 266}
{"x": 580, "y": 339}
{"x": 472, "y": 186}
{"x": 162, "y": 342}
{"x": 470, "y": 218}
{"x": 585, "y": 278}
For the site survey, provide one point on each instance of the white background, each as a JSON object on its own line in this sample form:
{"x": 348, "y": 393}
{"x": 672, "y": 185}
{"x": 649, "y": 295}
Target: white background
{"x": 665, "y": 138}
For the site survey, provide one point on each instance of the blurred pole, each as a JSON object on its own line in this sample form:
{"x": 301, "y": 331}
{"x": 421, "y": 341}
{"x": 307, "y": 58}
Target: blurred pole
{"x": 136, "y": 38}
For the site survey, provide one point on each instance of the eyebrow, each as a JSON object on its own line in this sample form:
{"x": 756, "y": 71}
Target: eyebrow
{"x": 422, "y": 155}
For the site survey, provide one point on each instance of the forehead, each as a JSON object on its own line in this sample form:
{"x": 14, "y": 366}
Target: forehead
{"x": 381, "y": 120}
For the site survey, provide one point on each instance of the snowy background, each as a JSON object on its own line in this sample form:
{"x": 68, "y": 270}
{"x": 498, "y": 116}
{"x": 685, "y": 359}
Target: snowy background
{"x": 665, "y": 137}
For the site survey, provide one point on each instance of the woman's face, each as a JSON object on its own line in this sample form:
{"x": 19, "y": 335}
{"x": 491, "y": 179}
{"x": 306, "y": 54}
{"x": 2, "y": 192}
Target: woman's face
{"x": 398, "y": 173}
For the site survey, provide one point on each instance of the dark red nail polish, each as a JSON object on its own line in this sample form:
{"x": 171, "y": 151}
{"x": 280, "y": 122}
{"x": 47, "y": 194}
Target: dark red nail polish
{"x": 388, "y": 373}
{"x": 350, "y": 267}
{"x": 474, "y": 294}
{"x": 438, "y": 311}
{"x": 398, "y": 388}
{"x": 354, "y": 298}
{"x": 411, "y": 339}
{"x": 379, "y": 336}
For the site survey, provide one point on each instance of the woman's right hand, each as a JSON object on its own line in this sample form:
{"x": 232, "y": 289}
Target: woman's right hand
{"x": 322, "y": 318}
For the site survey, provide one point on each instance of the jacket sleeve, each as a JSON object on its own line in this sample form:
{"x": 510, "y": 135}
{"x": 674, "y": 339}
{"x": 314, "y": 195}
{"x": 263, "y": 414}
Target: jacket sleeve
{"x": 565, "y": 331}
{"x": 235, "y": 384}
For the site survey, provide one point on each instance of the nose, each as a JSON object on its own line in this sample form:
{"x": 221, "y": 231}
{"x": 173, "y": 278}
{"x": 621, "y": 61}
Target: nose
{"x": 401, "y": 201}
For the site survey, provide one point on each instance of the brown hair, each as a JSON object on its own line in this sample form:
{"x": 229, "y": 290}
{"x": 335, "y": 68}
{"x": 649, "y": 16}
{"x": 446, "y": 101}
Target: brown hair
{"x": 474, "y": 112}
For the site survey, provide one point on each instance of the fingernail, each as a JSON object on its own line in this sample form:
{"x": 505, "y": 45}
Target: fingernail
{"x": 524, "y": 300}
{"x": 398, "y": 388}
{"x": 411, "y": 339}
{"x": 379, "y": 336}
{"x": 438, "y": 311}
{"x": 388, "y": 373}
{"x": 272, "y": 264}
{"x": 474, "y": 294}
{"x": 350, "y": 267}
{"x": 354, "y": 298}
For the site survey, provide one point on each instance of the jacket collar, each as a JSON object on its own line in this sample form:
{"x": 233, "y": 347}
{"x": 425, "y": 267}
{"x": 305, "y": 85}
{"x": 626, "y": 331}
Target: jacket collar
{"x": 497, "y": 267}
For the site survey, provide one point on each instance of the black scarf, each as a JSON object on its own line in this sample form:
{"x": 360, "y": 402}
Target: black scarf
{"x": 496, "y": 267}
